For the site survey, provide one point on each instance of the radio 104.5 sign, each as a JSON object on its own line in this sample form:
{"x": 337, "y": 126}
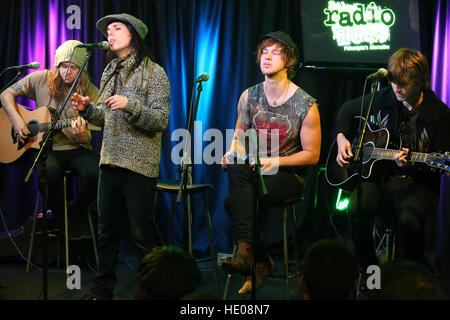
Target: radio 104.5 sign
{"x": 359, "y": 27}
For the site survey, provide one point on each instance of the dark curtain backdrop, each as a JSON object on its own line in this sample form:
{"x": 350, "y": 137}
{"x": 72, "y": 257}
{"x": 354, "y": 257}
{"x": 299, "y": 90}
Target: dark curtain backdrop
{"x": 440, "y": 83}
{"x": 187, "y": 38}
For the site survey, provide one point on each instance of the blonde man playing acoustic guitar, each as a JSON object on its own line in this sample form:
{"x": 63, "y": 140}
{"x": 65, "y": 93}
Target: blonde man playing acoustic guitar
{"x": 71, "y": 148}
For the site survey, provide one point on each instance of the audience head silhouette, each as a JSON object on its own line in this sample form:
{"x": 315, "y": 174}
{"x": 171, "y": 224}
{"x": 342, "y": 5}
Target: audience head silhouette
{"x": 330, "y": 271}
{"x": 167, "y": 273}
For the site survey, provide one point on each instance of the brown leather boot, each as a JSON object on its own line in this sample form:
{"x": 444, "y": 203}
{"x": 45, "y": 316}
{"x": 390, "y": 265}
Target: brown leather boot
{"x": 263, "y": 269}
{"x": 242, "y": 261}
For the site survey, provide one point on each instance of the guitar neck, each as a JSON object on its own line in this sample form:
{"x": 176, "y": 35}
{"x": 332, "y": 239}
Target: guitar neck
{"x": 63, "y": 123}
{"x": 388, "y": 154}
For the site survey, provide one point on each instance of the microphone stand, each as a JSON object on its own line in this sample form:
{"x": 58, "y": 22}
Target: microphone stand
{"x": 358, "y": 159}
{"x": 186, "y": 163}
{"x": 259, "y": 178}
{"x": 185, "y": 168}
{"x": 42, "y": 157}
{"x": 12, "y": 81}
{"x": 358, "y": 156}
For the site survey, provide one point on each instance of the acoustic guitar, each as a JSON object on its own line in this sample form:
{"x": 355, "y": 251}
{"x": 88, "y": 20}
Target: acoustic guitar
{"x": 38, "y": 121}
{"x": 376, "y": 147}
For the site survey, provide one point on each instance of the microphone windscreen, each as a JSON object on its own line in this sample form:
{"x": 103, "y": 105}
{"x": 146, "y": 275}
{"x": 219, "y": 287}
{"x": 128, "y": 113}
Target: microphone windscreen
{"x": 35, "y": 65}
{"x": 105, "y": 45}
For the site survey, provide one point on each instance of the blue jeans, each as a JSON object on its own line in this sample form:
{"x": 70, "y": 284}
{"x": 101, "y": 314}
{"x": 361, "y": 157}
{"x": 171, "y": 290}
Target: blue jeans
{"x": 122, "y": 192}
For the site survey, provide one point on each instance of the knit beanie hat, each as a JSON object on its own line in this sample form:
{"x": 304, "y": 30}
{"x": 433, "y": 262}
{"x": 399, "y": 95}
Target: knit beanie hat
{"x": 64, "y": 53}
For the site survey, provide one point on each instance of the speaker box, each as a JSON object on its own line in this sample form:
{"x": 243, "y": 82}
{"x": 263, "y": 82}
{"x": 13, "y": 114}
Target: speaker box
{"x": 17, "y": 243}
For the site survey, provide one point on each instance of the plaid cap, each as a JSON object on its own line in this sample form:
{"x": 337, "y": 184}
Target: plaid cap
{"x": 137, "y": 24}
{"x": 282, "y": 37}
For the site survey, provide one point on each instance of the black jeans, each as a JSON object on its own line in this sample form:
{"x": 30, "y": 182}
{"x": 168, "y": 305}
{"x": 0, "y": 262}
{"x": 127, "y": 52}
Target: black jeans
{"x": 245, "y": 188}
{"x": 122, "y": 193}
{"x": 85, "y": 164}
{"x": 402, "y": 199}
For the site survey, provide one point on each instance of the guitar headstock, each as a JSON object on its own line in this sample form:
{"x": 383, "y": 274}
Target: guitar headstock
{"x": 439, "y": 161}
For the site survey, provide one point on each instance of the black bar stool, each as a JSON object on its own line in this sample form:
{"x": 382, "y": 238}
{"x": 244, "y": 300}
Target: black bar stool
{"x": 383, "y": 233}
{"x": 286, "y": 206}
{"x": 172, "y": 187}
{"x": 66, "y": 176}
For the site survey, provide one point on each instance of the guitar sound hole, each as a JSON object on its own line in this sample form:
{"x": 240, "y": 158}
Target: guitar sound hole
{"x": 33, "y": 126}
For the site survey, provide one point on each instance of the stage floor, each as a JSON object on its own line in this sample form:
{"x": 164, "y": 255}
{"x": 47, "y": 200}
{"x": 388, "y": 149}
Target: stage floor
{"x": 19, "y": 285}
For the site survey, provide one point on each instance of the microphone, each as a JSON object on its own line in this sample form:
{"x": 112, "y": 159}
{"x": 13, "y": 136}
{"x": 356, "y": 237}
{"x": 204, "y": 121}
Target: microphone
{"x": 104, "y": 45}
{"x": 33, "y": 65}
{"x": 203, "y": 77}
{"x": 381, "y": 73}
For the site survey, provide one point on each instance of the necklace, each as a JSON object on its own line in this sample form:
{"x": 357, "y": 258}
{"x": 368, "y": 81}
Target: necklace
{"x": 274, "y": 102}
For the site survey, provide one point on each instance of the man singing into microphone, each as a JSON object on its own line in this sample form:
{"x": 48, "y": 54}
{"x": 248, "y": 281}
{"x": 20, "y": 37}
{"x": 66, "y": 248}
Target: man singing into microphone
{"x": 286, "y": 122}
{"x": 133, "y": 109}
{"x": 407, "y": 191}
{"x": 71, "y": 146}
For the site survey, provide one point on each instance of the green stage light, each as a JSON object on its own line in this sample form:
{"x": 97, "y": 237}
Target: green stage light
{"x": 342, "y": 202}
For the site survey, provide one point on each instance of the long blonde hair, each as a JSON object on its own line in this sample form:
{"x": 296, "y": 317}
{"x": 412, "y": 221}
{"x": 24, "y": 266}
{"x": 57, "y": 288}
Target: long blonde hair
{"x": 56, "y": 84}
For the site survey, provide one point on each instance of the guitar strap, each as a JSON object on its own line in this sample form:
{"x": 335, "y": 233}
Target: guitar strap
{"x": 52, "y": 113}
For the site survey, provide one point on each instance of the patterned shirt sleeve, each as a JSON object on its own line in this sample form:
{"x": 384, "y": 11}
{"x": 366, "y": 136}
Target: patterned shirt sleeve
{"x": 153, "y": 115}
{"x": 94, "y": 113}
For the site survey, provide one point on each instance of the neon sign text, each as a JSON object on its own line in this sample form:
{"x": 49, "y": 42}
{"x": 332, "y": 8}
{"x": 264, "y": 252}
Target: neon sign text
{"x": 359, "y": 27}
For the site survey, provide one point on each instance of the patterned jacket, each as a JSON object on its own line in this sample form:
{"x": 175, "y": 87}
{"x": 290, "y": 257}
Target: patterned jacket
{"x": 132, "y": 137}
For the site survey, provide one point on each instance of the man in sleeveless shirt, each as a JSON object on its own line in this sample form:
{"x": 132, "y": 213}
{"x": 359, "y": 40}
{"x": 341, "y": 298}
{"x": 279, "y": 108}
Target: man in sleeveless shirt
{"x": 285, "y": 122}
